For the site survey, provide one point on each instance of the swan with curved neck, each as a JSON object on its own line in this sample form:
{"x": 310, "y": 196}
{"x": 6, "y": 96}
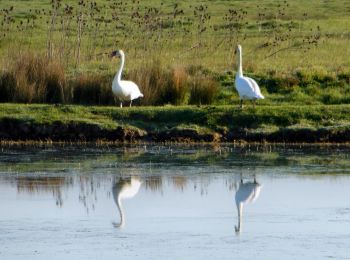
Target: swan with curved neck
{"x": 247, "y": 87}
{"x": 124, "y": 89}
{"x": 124, "y": 189}
{"x": 247, "y": 193}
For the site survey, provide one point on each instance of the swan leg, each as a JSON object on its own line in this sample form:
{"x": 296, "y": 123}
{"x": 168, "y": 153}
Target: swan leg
{"x": 241, "y": 104}
{"x": 130, "y": 102}
{"x": 254, "y": 103}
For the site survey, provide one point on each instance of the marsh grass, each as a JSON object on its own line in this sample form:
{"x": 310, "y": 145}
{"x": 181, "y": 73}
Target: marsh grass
{"x": 295, "y": 56}
{"x": 203, "y": 90}
{"x": 91, "y": 89}
{"x": 152, "y": 80}
{"x": 33, "y": 78}
{"x": 37, "y": 79}
{"x": 161, "y": 85}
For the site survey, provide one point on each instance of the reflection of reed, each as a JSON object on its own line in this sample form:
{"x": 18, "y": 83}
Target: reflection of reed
{"x": 89, "y": 186}
{"x": 179, "y": 182}
{"x": 153, "y": 183}
{"x": 39, "y": 184}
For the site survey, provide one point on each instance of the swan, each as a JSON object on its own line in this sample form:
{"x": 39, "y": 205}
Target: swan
{"x": 247, "y": 193}
{"x": 247, "y": 87}
{"x": 124, "y": 189}
{"x": 124, "y": 89}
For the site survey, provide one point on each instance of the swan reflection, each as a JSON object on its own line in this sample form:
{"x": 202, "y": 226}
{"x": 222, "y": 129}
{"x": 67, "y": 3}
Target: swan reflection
{"x": 123, "y": 189}
{"x": 246, "y": 193}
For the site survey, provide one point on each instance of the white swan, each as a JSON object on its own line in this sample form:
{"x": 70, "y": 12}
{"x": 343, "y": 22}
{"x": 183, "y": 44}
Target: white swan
{"x": 247, "y": 87}
{"x": 246, "y": 193}
{"x": 124, "y": 189}
{"x": 124, "y": 89}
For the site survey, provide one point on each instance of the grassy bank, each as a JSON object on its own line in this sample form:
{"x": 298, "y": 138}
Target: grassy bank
{"x": 318, "y": 123}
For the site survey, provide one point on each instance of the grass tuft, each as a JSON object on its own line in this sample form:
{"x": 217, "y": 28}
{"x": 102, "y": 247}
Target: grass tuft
{"x": 33, "y": 78}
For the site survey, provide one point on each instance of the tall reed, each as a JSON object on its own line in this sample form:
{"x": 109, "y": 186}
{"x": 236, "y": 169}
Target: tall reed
{"x": 93, "y": 89}
{"x": 33, "y": 78}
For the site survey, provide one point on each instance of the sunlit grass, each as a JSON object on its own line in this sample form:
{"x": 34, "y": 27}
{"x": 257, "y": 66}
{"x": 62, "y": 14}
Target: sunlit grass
{"x": 175, "y": 42}
{"x": 205, "y": 117}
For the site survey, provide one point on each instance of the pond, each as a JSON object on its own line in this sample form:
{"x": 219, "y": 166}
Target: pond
{"x": 175, "y": 202}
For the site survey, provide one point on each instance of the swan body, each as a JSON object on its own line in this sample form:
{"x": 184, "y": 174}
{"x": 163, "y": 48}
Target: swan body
{"x": 247, "y": 88}
{"x": 246, "y": 193}
{"x": 124, "y": 189}
{"x": 124, "y": 90}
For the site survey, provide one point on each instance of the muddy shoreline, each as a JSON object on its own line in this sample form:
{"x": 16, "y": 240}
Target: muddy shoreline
{"x": 17, "y": 130}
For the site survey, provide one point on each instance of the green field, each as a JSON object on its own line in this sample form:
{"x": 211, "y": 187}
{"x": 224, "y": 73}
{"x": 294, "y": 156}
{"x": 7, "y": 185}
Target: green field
{"x": 298, "y": 51}
{"x": 176, "y": 37}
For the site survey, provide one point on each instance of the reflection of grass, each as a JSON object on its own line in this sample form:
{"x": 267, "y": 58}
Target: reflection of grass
{"x": 340, "y": 160}
{"x": 269, "y": 157}
{"x": 137, "y": 160}
{"x": 310, "y": 159}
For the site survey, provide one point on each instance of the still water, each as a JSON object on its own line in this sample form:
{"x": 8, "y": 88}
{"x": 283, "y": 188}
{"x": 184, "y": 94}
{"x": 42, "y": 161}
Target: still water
{"x": 175, "y": 202}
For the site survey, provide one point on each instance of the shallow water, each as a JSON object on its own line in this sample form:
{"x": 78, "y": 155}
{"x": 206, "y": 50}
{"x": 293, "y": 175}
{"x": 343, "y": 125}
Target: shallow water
{"x": 179, "y": 202}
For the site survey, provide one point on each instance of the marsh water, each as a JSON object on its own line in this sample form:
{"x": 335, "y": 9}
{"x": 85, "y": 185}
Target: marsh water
{"x": 175, "y": 202}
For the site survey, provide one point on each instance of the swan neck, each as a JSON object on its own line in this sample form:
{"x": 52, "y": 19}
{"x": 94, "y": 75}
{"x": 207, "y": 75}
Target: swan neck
{"x": 120, "y": 208}
{"x": 240, "y": 70}
{"x": 240, "y": 216}
{"x": 118, "y": 76}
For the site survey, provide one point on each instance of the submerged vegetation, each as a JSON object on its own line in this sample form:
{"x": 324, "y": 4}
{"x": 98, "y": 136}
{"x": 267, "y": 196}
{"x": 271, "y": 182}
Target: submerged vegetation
{"x": 179, "y": 53}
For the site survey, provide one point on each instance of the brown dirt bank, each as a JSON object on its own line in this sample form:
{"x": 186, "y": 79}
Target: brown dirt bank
{"x": 16, "y": 130}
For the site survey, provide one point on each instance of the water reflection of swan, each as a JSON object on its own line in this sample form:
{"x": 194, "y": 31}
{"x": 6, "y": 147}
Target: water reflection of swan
{"x": 124, "y": 189}
{"x": 247, "y": 192}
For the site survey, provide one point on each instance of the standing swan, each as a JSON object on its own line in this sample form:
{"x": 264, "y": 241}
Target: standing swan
{"x": 124, "y": 189}
{"x": 247, "y": 192}
{"x": 247, "y": 87}
{"x": 124, "y": 89}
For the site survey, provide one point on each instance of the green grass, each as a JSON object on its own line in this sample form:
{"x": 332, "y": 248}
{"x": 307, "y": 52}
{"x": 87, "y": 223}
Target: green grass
{"x": 215, "y": 52}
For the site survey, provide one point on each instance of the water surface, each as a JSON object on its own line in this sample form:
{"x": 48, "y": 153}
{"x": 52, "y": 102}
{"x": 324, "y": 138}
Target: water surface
{"x": 177, "y": 202}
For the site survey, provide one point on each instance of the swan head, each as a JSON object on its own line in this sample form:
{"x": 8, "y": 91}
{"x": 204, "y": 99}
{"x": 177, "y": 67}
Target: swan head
{"x": 118, "y": 225}
{"x": 238, "y": 49}
{"x": 117, "y": 53}
{"x": 237, "y": 230}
